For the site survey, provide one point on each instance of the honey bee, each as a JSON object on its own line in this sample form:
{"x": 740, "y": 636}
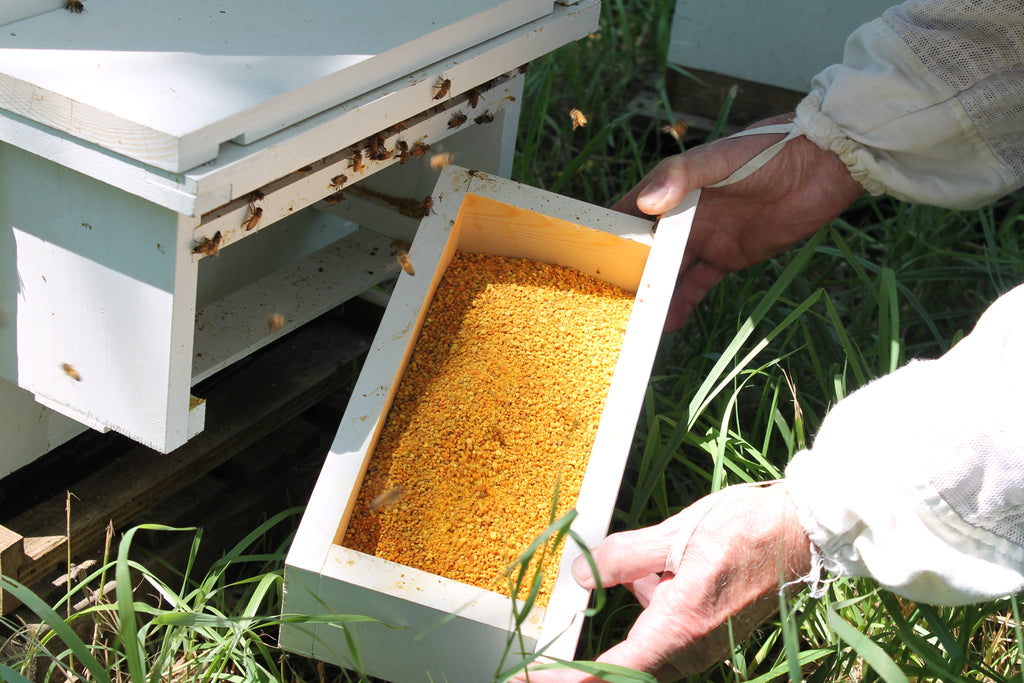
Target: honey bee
{"x": 440, "y": 160}
{"x": 677, "y": 130}
{"x": 385, "y": 498}
{"x": 578, "y": 119}
{"x": 305, "y": 169}
{"x": 474, "y": 97}
{"x": 403, "y": 260}
{"x": 209, "y": 246}
{"x": 74, "y": 6}
{"x": 255, "y": 196}
{"x": 337, "y": 181}
{"x": 71, "y": 372}
{"x": 457, "y": 119}
{"x": 356, "y": 162}
{"x": 443, "y": 86}
{"x": 486, "y": 117}
{"x": 421, "y": 209}
{"x": 275, "y": 321}
{"x": 524, "y": 67}
{"x": 419, "y": 149}
{"x": 402, "y": 148}
{"x": 335, "y": 198}
{"x": 255, "y": 214}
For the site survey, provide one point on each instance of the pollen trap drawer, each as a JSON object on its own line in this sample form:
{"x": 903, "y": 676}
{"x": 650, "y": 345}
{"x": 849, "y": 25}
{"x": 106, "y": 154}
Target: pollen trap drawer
{"x": 436, "y": 628}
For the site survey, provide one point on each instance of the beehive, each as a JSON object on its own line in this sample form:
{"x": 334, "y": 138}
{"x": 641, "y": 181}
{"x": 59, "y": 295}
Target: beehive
{"x": 449, "y": 630}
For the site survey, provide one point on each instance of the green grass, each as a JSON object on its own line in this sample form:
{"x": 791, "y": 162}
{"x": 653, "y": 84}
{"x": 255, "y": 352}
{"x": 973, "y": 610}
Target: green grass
{"x": 741, "y": 388}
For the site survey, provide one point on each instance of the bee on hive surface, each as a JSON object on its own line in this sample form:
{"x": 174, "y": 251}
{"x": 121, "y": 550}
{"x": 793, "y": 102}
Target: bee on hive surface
{"x": 677, "y": 130}
{"x": 256, "y": 195}
{"x": 419, "y": 149}
{"x": 305, "y": 169}
{"x": 275, "y": 321}
{"x": 578, "y": 119}
{"x": 474, "y": 97}
{"x": 524, "y": 67}
{"x": 208, "y": 246}
{"x": 402, "y": 148}
{"x": 443, "y": 86}
{"x": 71, "y": 372}
{"x": 440, "y": 160}
{"x": 486, "y": 117}
{"x": 74, "y": 6}
{"x": 356, "y": 162}
{"x": 255, "y": 214}
{"x": 337, "y": 181}
{"x": 385, "y": 498}
{"x": 457, "y": 119}
{"x": 335, "y": 198}
{"x": 403, "y": 260}
{"x": 428, "y": 205}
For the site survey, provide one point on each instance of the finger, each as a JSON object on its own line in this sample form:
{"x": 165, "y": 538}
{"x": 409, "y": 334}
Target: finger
{"x": 626, "y": 557}
{"x": 642, "y": 589}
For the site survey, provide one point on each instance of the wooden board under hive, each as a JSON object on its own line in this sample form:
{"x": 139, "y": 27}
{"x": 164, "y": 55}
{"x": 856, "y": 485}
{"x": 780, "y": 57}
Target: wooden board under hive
{"x": 449, "y": 629}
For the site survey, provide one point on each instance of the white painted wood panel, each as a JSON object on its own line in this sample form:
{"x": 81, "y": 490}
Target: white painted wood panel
{"x": 782, "y": 43}
{"x": 167, "y": 82}
{"x": 239, "y": 323}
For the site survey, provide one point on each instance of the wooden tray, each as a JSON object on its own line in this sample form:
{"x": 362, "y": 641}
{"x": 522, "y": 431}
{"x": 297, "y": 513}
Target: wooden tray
{"x": 475, "y": 212}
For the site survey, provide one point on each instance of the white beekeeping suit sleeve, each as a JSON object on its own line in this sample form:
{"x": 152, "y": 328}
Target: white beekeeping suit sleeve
{"x": 928, "y": 104}
{"x": 917, "y": 479}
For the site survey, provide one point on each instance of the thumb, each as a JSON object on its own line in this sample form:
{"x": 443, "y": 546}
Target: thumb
{"x": 666, "y": 185}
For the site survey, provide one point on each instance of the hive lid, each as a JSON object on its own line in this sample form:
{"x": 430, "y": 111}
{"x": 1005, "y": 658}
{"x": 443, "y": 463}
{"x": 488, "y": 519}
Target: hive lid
{"x": 166, "y": 82}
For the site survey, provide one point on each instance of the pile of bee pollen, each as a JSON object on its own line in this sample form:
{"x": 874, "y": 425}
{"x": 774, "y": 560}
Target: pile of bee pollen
{"x": 498, "y": 407}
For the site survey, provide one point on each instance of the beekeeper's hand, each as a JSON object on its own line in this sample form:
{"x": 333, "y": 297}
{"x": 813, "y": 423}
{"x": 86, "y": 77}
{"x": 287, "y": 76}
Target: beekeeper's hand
{"x": 739, "y": 225}
{"x": 745, "y": 543}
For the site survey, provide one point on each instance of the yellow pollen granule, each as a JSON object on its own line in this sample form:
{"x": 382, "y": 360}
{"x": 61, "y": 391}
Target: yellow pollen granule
{"x": 499, "y": 404}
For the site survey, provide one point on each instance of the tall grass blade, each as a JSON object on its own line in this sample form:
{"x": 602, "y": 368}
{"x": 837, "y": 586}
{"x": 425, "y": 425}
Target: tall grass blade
{"x": 59, "y": 626}
{"x": 862, "y": 644}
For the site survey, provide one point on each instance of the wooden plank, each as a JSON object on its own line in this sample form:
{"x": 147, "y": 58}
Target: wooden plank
{"x": 241, "y": 322}
{"x": 277, "y": 384}
{"x": 12, "y": 556}
{"x": 167, "y": 83}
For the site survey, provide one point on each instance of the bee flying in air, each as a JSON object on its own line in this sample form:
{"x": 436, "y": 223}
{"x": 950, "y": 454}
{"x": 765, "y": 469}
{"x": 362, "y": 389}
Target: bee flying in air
{"x": 578, "y": 119}
{"x": 440, "y": 160}
{"x": 275, "y": 321}
{"x": 677, "y": 130}
{"x": 71, "y": 372}
{"x": 403, "y": 260}
{"x": 385, "y": 498}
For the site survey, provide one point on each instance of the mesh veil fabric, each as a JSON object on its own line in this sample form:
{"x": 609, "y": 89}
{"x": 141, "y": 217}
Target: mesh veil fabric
{"x": 928, "y": 105}
{"x": 926, "y": 468}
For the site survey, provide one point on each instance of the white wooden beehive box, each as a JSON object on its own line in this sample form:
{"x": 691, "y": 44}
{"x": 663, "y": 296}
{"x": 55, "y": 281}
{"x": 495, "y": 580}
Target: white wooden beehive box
{"x": 475, "y": 212}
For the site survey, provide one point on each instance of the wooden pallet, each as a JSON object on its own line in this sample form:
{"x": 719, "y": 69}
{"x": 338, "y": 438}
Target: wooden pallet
{"x": 253, "y": 423}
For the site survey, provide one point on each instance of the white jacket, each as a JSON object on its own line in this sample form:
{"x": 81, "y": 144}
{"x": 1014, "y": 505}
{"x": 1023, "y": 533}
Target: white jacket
{"x": 917, "y": 479}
